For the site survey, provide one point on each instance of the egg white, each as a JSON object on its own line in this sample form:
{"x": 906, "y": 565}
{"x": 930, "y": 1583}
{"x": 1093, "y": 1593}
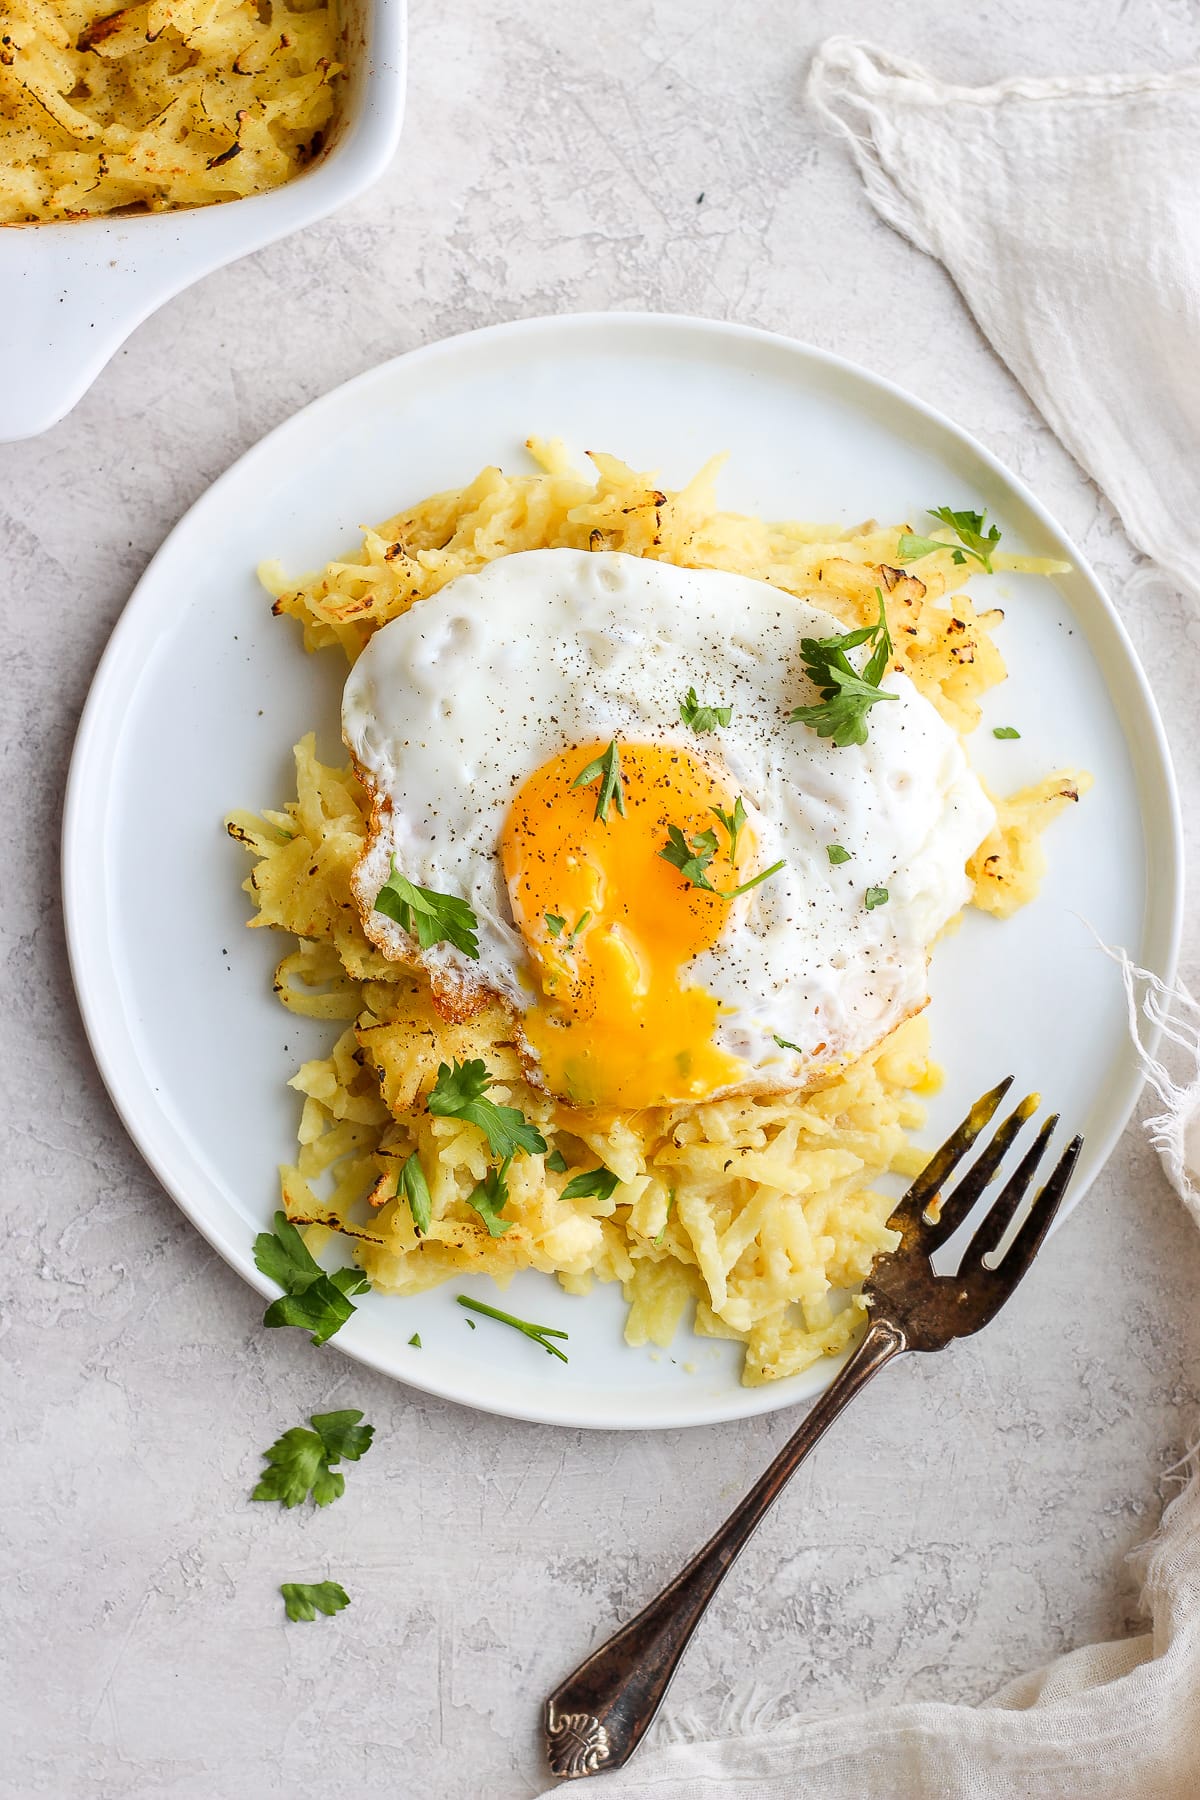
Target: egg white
{"x": 454, "y": 704}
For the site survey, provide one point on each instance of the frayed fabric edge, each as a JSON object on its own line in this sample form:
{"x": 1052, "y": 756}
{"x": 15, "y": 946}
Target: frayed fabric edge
{"x": 1171, "y": 1013}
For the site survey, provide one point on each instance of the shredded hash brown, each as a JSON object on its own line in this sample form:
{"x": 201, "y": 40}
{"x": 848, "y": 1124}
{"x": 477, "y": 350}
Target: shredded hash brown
{"x": 762, "y": 1212}
{"x": 168, "y": 103}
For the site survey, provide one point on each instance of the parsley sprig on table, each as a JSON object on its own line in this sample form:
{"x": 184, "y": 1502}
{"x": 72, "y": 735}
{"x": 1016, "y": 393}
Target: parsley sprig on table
{"x": 430, "y": 917}
{"x": 702, "y": 718}
{"x": 968, "y": 529}
{"x": 607, "y": 769}
{"x": 317, "y": 1302}
{"x": 460, "y": 1092}
{"x": 846, "y": 696}
{"x": 302, "y": 1461}
{"x": 305, "y": 1599}
{"x": 539, "y": 1333}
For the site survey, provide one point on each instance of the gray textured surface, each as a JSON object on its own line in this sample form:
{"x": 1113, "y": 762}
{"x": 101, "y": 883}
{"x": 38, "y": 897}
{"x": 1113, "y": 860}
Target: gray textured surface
{"x": 552, "y": 160}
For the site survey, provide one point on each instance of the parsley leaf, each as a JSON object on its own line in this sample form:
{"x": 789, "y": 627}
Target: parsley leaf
{"x": 607, "y": 767}
{"x": 283, "y": 1256}
{"x": 785, "y": 1045}
{"x": 429, "y": 917}
{"x": 733, "y": 823}
{"x": 1005, "y": 731}
{"x": 415, "y": 1340}
{"x": 666, "y": 1217}
{"x": 836, "y": 854}
{"x": 301, "y": 1462}
{"x": 460, "y": 1093}
{"x": 317, "y": 1302}
{"x": 557, "y": 1161}
{"x": 876, "y": 896}
{"x": 846, "y": 696}
{"x": 599, "y": 1184}
{"x": 539, "y": 1333}
{"x": 305, "y": 1599}
{"x": 702, "y": 718}
{"x": 967, "y": 528}
{"x": 490, "y": 1197}
{"x": 554, "y": 924}
{"x": 413, "y": 1187}
{"x": 692, "y": 859}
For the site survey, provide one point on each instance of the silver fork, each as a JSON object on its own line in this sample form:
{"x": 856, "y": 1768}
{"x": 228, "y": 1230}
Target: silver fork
{"x": 598, "y": 1717}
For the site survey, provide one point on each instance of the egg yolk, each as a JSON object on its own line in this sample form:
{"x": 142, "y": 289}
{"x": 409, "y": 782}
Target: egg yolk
{"x": 610, "y": 925}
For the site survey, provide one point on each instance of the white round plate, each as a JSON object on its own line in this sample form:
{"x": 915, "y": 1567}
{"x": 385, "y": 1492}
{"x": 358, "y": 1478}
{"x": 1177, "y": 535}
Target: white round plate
{"x": 201, "y": 694}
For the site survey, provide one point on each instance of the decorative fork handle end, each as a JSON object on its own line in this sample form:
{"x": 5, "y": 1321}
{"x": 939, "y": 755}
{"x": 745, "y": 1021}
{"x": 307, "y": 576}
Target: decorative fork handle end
{"x": 598, "y": 1716}
{"x": 576, "y": 1743}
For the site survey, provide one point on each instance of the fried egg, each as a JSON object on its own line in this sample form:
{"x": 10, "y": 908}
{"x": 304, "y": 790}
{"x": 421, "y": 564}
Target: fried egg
{"x": 482, "y": 723}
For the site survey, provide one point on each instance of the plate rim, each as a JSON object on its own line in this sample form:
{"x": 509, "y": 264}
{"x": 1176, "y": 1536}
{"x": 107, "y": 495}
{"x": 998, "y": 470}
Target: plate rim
{"x": 97, "y": 715}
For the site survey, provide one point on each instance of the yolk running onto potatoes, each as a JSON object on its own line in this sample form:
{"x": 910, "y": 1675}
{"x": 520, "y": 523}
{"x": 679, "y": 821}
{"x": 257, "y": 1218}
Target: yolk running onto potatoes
{"x": 616, "y": 1022}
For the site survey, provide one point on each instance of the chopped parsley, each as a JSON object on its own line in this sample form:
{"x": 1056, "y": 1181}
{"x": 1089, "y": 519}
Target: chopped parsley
{"x": 317, "y": 1302}
{"x": 460, "y": 1092}
{"x": 692, "y": 860}
{"x": 733, "y": 823}
{"x": 876, "y": 896}
{"x": 784, "y": 1044}
{"x": 301, "y": 1461}
{"x": 836, "y": 854}
{"x": 846, "y": 696}
{"x": 607, "y": 769}
{"x": 539, "y": 1333}
{"x": 556, "y": 924}
{"x": 702, "y": 718}
{"x": 967, "y": 528}
{"x": 305, "y": 1599}
{"x": 413, "y": 1187}
{"x": 666, "y": 1217}
{"x": 490, "y": 1197}
{"x": 557, "y": 1161}
{"x": 598, "y": 1184}
{"x": 1005, "y": 731}
{"x": 415, "y": 1340}
{"x": 429, "y": 917}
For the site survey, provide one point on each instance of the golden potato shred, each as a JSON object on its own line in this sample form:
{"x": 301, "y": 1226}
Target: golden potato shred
{"x": 170, "y": 103}
{"x": 760, "y": 1213}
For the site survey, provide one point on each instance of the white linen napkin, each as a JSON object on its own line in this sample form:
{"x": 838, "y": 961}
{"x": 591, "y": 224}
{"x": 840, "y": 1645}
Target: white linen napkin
{"x": 1116, "y": 1722}
{"x": 1068, "y": 213}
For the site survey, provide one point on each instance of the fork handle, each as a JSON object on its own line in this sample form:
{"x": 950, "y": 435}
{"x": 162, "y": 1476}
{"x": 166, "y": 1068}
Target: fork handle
{"x": 598, "y": 1717}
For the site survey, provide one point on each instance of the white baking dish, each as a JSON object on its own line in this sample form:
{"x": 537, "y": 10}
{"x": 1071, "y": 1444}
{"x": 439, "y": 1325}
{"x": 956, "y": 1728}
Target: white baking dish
{"x": 70, "y": 294}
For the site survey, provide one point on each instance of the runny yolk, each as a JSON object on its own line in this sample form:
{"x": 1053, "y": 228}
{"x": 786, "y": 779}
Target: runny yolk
{"x": 616, "y": 1022}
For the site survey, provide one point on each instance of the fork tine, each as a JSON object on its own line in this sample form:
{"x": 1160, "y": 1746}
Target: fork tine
{"x": 958, "y": 1204}
{"x": 1028, "y": 1240}
{"x": 1004, "y": 1208}
{"x": 943, "y": 1162}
